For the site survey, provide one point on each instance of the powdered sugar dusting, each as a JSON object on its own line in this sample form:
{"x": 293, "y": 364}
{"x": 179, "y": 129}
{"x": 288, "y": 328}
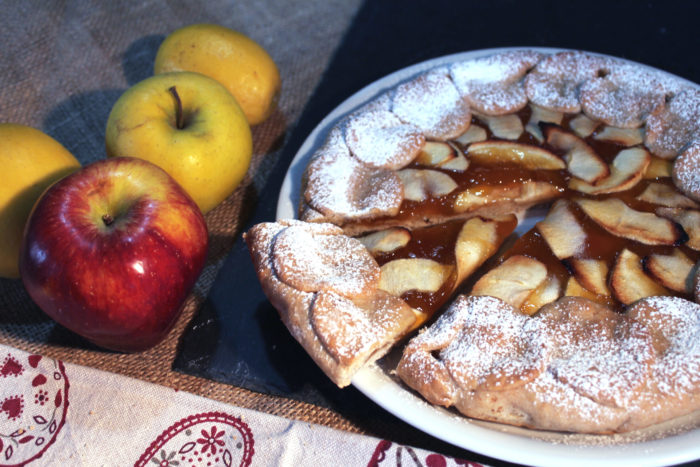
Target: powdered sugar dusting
{"x": 342, "y": 326}
{"x": 378, "y": 138}
{"x": 686, "y": 171}
{"x": 672, "y": 127}
{"x": 597, "y": 371}
{"x": 309, "y": 261}
{"x": 555, "y": 81}
{"x": 431, "y": 103}
{"x": 624, "y": 97}
{"x": 492, "y": 85}
{"x": 341, "y": 187}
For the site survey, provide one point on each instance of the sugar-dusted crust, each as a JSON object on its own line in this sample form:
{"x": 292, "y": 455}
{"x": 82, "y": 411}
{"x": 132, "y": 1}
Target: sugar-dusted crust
{"x": 324, "y": 286}
{"x": 575, "y": 366}
{"x": 354, "y": 179}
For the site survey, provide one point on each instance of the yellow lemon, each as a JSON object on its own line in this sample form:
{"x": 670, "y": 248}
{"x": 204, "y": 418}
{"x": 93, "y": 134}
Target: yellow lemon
{"x": 30, "y": 161}
{"x": 231, "y": 58}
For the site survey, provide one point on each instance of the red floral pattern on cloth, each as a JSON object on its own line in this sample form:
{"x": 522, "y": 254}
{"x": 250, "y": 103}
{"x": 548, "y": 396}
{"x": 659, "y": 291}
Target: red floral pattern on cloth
{"x": 388, "y": 453}
{"x": 207, "y": 439}
{"x": 33, "y": 406}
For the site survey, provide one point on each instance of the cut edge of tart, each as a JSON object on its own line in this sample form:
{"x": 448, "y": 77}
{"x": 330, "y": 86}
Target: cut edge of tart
{"x": 614, "y": 144}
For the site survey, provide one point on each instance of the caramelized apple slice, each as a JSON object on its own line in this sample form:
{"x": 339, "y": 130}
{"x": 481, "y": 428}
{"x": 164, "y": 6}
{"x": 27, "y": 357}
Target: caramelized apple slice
{"x": 386, "y": 241}
{"x": 526, "y": 193}
{"x": 624, "y": 136}
{"x": 420, "y": 274}
{"x": 658, "y": 168}
{"x": 628, "y": 281}
{"x": 583, "y": 126}
{"x": 619, "y": 219}
{"x": 562, "y": 231}
{"x": 581, "y": 160}
{"x": 420, "y": 185}
{"x": 513, "y": 280}
{"x": 547, "y": 292}
{"x": 478, "y": 240}
{"x": 626, "y": 171}
{"x": 442, "y": 155}
{"x": 673, "y": 271}
{"x": 473, "y": 135}
{"x": 575, "y": 289}
{"x": 665, "y": 195}
{"x": 503, "y": 126}
{"x": 689, "y": 220}
{"x": 591, "y": 274}
{"x": 524, "y": 155}
{"x": 540, "y": 114}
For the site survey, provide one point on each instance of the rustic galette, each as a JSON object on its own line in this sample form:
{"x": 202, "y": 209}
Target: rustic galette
{"x": 588, "y": 322}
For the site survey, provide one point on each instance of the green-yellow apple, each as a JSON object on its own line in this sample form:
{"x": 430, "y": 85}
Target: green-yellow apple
{"x": 30, "y": 161}
{"x": 189, "y": 125}
{"x": 112, "y": 251}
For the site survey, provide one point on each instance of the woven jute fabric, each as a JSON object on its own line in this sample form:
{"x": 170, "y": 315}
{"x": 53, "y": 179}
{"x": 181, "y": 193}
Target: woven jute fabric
{"x": 63, "y": 64}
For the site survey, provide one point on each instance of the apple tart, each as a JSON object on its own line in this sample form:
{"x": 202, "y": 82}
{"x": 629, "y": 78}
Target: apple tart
{"x": 588, "y": 322}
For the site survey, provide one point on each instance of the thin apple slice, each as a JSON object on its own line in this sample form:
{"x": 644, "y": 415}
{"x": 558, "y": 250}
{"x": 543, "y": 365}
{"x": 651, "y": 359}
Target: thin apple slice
{"x": 665, "y": 195}
{"x": 420, "y": 274}
{"x": 619, "y": 219}
{"x": 688, "y": 219}
{"x": 581, "y": 160}
{"x": 524, "y": 155}
{"x": 591, "y": 274}
{"x": 626, "y": 171}
{"x": 658, "y": 168}
{"x": 442, "y": 155}
{"x": 386, "y": 241}
{"x": 673, "y": 271}
{"x": 562, "y": 231}
{"x": 513, "y": 280}
{"x": 434, "y": 152}
{"x": 420, "y": 185}
{"x": 540, "y": 114}
{"x": 474, "y": 134}
{"x": 583, "y": 126}
{"x": 575, "y": 289}
{"x": 503, "y": 126}
{"x": 628, "y": 281}
{"x": 478, "y": 240}
{"x": 526, "y": 193}
{"x": 624, "y": 136}
{"x": 457, "y": 164}
{"x": 547, "y": 292}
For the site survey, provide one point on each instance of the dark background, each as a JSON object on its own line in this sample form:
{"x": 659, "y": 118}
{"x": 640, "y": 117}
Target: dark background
{"x": 236, "y": 337}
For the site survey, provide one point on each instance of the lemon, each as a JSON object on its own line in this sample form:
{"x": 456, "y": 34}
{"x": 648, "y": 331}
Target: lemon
{"x": 229, "y": 57}
{"x": 30, "y": 161}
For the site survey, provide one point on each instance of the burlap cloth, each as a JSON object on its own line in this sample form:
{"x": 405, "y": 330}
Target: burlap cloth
{"x": 62, "y": 67}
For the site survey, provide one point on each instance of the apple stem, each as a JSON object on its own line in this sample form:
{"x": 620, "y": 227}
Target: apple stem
{"x": 107, "y": 219}
{"x": 178, "y": 108}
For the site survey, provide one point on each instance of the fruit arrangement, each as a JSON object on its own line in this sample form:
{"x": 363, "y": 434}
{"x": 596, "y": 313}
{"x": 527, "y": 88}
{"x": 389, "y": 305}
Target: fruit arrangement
{"x": 111, "y": 250}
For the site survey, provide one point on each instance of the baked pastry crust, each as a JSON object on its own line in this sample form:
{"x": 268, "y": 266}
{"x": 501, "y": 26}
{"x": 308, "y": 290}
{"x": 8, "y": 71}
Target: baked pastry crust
{"x": 324, "y": 286}
{"x": 574, "y": 366}
{"x": 437, "y": 140}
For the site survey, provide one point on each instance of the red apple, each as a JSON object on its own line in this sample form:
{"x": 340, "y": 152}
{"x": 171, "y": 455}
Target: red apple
{"x": 112, "y": 251}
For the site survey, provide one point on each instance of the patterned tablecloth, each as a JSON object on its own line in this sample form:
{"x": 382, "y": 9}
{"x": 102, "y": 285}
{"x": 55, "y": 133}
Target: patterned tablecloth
{"x": 56, "y": 413}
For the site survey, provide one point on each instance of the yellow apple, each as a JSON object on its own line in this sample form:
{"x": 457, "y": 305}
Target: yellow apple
{"x": 190, "y": 126}
{"x": 231, "y": 58}
{"x": 30, "y": 161}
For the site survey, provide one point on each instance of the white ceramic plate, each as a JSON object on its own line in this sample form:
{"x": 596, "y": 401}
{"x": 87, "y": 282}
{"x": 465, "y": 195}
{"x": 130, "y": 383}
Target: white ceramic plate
{"x": 671, "y": 443}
